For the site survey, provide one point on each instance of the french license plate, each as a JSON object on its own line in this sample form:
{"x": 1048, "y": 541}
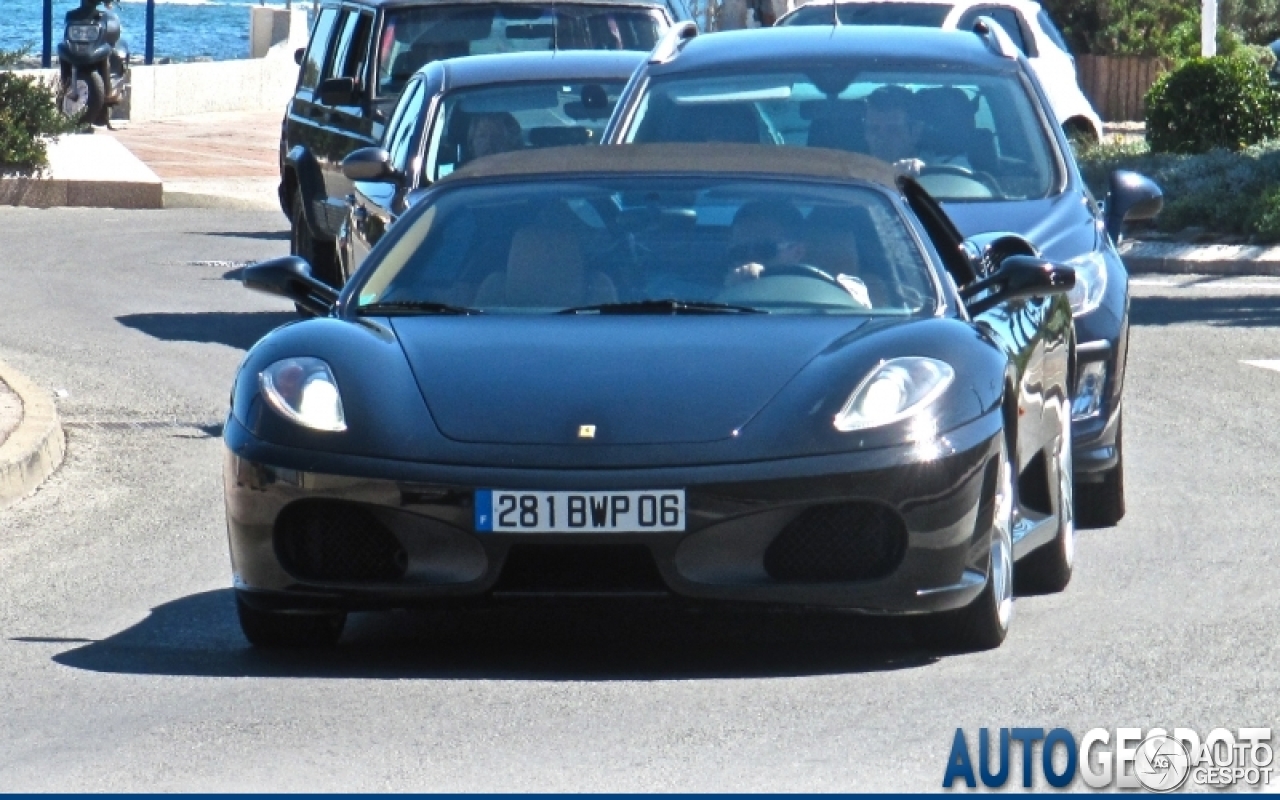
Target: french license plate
{"x": 499, "y": 510}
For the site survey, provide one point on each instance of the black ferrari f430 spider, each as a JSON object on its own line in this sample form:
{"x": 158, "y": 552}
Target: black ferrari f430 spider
{"x": 710, "y": 372}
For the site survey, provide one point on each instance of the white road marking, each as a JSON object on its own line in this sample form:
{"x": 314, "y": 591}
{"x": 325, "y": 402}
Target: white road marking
{"x": 1265, "y": 364}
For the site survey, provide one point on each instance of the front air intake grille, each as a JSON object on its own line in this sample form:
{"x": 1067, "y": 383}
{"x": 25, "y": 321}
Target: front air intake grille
{"x": 836, "y": 543}
{"x": 337, "y": 541}
{"x": 580, "y": 568}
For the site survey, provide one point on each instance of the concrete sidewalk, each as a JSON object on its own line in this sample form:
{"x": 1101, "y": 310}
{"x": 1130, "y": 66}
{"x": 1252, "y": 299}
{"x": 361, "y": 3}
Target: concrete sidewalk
{"x": 32, "y": 443}
{"x": 222, "y": 159}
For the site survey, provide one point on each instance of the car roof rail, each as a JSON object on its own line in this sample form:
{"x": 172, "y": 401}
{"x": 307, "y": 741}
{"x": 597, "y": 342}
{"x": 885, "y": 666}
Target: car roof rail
{"x": 668, "y": 47}
{"x": 995, "y": 37}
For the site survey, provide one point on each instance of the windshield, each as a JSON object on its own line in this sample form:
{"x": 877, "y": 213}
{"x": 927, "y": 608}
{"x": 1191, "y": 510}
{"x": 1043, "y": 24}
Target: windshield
{"x": 480, "y": 122}
{"x": 967, "y": 135}
{"x": 722, "y": 244}
{"x": 919, "y": 15}
{"x": 413, "y": 37}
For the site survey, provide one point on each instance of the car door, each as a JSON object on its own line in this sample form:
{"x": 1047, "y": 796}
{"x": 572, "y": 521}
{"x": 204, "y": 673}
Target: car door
{"x": 305, "y": 117}
{"x": 345, "y": 117}
{"x": 377, "y": 204}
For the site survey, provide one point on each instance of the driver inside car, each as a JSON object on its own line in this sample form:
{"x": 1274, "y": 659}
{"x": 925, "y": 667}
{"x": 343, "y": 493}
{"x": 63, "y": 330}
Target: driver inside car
{"x": 768, "y": 238}
{"x": 894, "y": 130}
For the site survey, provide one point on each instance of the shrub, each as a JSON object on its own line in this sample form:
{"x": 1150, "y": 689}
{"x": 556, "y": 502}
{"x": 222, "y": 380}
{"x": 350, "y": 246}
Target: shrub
{"x": 1207, "y": 103}
{"x": 28, "y": 116}
{"x": 1221, "y": 192}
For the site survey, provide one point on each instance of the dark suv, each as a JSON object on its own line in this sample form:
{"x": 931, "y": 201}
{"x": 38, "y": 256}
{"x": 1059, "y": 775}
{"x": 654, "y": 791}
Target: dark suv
{"x": 363, "y": 52}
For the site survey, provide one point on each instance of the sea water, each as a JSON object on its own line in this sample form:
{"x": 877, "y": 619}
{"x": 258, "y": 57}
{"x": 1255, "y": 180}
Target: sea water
{"x": 185, "y": 29}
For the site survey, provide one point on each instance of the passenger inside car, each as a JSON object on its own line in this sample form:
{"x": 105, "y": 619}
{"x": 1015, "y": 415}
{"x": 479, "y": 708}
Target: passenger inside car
{"x": 490, "y": 133}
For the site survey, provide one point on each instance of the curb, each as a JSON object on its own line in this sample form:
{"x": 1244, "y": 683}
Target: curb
{"x": 36, "y": 447}
{"x": 1175, "y": 258}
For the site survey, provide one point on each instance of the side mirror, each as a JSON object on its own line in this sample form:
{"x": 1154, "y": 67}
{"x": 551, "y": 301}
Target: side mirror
{"x": 1131, "y": 197}
{"x": 298, "y": 54}
{"x": 291, "y": 277}
{"x": 369, "y": 164}
{"x": 1016, "y": 277}
{"x": 337, "y": 91}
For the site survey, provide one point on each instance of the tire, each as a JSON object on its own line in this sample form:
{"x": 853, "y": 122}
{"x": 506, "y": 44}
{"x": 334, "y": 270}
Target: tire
{"x": 1101, "y": 505}
{"x": 95, "y": 101}
{"x": 278, "y": 629}
{"x": 322, "y": 256}
{"x": 984, "y": 623}
{"x": 1048, "y": 568}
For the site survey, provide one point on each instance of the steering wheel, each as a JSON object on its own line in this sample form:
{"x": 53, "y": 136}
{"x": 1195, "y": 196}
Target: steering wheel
{"x": 800, "y": 271}
{"x": 982, "y": 178}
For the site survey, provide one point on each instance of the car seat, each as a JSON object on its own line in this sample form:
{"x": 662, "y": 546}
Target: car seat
{"x": 842, "y": 127}
{"x": 545, "y": 268}
{"x": 951, "y": 130}
{"x": 421, "y": 53}
{"x": 711, "y": 122}
{"x": 844, "y": 240}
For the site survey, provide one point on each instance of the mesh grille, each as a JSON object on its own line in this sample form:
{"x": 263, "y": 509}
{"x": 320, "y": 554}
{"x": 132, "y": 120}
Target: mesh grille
{"x": 334, "y": 541}
{"x": 844, "y": 542}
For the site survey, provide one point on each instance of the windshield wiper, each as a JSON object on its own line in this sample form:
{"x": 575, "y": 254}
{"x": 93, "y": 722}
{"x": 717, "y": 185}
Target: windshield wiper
{"x": 666, "y": 306}
{"x": 414, "y": 307}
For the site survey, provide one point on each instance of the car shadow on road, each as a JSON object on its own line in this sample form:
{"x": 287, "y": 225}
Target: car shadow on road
{"x": 1245, "y": 311}
{"x": 277, "y": 236}
{"x": 198, "y": 636}
{"x": 234, "y": 329}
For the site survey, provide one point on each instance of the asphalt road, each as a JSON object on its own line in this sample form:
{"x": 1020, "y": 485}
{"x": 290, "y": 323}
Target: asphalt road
{"x": 122, "y": 667}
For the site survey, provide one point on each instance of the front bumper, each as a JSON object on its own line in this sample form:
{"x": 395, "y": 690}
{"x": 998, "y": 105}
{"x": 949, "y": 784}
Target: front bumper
{"x": 937, "y": 494}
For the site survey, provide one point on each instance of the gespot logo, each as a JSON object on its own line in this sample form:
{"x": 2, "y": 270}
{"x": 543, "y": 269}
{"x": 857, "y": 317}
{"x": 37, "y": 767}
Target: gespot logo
{"x": 1157, "y": 760}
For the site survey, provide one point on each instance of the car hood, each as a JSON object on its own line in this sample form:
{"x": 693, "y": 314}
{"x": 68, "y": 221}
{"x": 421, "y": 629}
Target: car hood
{"x": 1061, "y": 227}
{"x": 636, "y": 379}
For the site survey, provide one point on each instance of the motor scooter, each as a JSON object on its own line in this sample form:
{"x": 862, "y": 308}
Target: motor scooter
{"x": 93, "y": 61}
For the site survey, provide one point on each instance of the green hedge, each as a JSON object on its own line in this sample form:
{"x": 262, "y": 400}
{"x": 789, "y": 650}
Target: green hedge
{"x": 1222, "y": 192}
{"x": 28, "y": 118}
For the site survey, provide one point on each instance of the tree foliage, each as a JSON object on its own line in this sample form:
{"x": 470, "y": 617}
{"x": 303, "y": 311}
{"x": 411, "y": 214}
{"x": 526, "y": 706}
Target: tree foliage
{"x": 1169, "y": 28}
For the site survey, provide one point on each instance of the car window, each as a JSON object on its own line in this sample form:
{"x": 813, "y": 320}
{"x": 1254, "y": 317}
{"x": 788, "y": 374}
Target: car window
{"x": 412, "y": 37}
{"x": 1051, "y": 30}
{"x": 542, "y": 246}
{"x": 351, "y": 47}
{"x": 977, "y": 135}
{"x": 483, "y": 121}
{"x": 1008, "y": 19}
{"x": 920, "y": 15}
{"x": 317, "y": 49}
{"x": 404, "y": 123}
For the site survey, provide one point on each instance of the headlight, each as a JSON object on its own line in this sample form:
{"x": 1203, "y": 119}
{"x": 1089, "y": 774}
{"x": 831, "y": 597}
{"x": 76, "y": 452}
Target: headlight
{"x": 894, "y": 391}
{"x": 1088, "y": 391}
{"x": 1091, "y": 282}
{"x": 303, "y": 390}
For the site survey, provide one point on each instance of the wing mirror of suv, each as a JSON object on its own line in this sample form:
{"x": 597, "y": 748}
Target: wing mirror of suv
{"x": 1131, "y": 197}
{"x": 337, "y": 91}
{"x": 1017, "y": 277}
{"x": 291, "y": 277}
{"x": 369, "y": 164}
